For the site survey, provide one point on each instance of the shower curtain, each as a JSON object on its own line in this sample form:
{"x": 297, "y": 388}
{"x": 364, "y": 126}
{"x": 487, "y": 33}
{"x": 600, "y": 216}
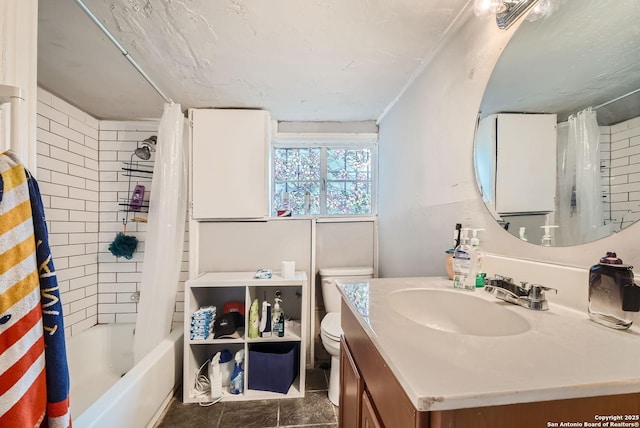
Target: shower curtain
{"x": 164, "y": 242}
{"x": 580, "y": 208}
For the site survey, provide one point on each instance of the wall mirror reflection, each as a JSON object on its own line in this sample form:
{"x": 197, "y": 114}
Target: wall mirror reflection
{"x": 557, "y": 150}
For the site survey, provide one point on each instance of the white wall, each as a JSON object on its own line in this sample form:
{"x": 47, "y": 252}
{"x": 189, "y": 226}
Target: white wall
{"x": 420, "y": 202}
{"x": 18, "y": 60}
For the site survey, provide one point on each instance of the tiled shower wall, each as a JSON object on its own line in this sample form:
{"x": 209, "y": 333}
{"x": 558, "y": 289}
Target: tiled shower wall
{"x": 67, "y": 147}
{"x": 625, "y": 172}
{"x": 120, "y": 278}
{"x": 80, "y": 162}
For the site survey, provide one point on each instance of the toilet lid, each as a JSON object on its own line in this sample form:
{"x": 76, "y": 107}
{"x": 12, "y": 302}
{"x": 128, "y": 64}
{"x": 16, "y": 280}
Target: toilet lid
{"x": 330, "y": 325}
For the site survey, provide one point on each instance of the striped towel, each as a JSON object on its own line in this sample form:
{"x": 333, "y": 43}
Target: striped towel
{"x": 26, "y": 399}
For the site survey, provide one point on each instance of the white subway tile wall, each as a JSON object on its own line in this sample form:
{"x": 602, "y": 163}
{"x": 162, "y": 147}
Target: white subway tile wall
{"x": 624, "y": 178}
{"x": 67, "y": 154}
{"x": 80, "y": 161}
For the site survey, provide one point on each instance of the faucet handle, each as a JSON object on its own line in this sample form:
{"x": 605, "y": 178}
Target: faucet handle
{"x": 503, "y": 278}
{"x": 536, "y": 291}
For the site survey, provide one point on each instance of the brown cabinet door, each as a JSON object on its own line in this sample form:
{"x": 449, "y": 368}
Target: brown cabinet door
{"x": 369, "y": 417}
{"x": 351, "y": 388}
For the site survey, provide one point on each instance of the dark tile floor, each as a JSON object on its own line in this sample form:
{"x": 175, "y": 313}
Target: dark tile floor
{"x": 314, "y": 410}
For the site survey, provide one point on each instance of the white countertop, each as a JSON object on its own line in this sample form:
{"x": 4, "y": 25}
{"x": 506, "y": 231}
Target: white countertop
{"x": 563, "y": 354}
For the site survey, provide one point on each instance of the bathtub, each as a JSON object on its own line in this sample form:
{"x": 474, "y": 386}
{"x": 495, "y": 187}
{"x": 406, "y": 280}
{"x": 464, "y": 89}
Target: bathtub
{"x": 106, "y": 391}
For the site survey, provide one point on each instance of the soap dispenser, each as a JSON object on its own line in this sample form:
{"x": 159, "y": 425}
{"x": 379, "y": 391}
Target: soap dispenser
{"x": 479, "y": 253}
{"x": 613, "y": 295}
{"x": 464, "y": 264}
{"x": 546, "y": 238}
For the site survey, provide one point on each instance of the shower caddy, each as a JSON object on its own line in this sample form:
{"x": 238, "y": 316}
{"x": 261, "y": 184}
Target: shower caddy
{"x": 135, "y": 202}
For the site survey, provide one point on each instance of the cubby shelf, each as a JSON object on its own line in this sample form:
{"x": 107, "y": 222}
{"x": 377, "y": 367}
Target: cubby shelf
{"x": 217, "y": 288}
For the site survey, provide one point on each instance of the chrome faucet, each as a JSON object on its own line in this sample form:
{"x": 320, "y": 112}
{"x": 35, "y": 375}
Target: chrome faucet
{"x": 529, "y": 296}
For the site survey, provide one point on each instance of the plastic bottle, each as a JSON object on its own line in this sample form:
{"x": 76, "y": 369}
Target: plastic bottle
{"x": 237, "y": 377}
{"x": 546, "y": 238}
{"x": 475, "y": 243}
{"x": 278, "y": 316}
{"x": 265, "y": 319}
{"x": 254, "y": 320}
{"x": 464, "y": 264}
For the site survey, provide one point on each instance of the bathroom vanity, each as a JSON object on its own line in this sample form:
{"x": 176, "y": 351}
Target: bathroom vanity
{"x": 479, "y": 363}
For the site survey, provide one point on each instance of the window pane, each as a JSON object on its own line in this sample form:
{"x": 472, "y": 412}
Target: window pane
{"x": 348, "y": 197}
{"x": 349, "y": 164}
{"x": 297, "y": 164}
{"x": 297, "y": 171}
{"x": 297, "y": 192}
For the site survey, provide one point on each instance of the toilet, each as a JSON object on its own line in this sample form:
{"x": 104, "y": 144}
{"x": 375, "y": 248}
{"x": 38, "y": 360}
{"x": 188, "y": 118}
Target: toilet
{"x": 330, "y": 330}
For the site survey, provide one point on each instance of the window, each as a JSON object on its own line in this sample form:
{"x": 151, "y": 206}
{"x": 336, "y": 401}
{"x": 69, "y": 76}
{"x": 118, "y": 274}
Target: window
{"x": 323, "y": 177}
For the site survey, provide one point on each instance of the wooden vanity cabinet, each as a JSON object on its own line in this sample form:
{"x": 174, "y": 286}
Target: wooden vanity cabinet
{"x": 369, "y": 417}
{"x": 351, "y": 389}
{"x": 382, "y": 402}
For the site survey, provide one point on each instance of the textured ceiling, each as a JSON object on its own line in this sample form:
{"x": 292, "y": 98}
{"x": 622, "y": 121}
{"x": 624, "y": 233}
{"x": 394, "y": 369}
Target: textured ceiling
{"x": 303, "y": 60}
{"x": 585, "y": 53}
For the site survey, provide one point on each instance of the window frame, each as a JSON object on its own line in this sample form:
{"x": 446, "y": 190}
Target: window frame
{"x": 326, "y": 141}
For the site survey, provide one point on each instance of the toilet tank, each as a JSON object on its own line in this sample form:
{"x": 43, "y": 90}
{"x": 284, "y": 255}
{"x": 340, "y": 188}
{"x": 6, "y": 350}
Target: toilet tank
{"x": 328, "y": 276}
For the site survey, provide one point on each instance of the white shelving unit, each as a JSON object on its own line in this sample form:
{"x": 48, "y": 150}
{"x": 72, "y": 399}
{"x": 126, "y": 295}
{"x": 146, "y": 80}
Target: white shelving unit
{"x": 217, "y": 288}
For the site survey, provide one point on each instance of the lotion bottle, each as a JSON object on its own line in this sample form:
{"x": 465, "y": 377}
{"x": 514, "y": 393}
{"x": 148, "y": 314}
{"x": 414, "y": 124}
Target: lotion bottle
{"x": 480, "y": 273}
{"x": 254, "y": 320}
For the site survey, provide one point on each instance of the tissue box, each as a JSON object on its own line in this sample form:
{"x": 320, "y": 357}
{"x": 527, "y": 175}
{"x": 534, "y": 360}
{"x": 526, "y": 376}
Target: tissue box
{"x": 273, "y": 367}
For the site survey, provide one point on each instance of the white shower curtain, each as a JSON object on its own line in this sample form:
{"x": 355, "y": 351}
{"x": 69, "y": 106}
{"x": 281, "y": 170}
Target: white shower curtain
{"x": 164, "y": 242}
{"x": 582, "y": 154}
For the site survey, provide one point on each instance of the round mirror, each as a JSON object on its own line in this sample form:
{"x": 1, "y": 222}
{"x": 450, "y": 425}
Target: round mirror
{"x": 557, "y": 150}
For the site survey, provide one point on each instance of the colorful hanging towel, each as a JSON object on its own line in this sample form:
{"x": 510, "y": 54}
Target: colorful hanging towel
{"x": 34, "y": 381}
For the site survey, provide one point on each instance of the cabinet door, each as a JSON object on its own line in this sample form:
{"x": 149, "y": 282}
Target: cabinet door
{"x": 229, "y": 152}
{"x": 351, "y": 389}
{"x": 526, "y": 163}
{"x": 369, "y": 417}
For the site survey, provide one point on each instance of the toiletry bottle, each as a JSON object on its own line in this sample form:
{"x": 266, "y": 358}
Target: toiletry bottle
{"x": 480, "y": 273}
{"x": 449, "y": 252}
{"x": 613, "y": 295}
{"x": 215, "y": 376}
{"x": 254, "y": 320}
{"x": 278, "y": 316}
{"x": 546, "y": 238}
{"x": 237, "y": 377}
{"x": 265, "y": 320}
{"x": 464, "y": 264}
{"x": 523, "y": 233}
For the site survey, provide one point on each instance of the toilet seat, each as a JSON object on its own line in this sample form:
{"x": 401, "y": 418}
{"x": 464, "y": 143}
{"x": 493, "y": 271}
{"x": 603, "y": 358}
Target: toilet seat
{"x": 331, "y": 327}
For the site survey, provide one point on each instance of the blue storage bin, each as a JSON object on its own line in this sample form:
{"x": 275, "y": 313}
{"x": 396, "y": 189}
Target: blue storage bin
{"x": 273, "y": 366}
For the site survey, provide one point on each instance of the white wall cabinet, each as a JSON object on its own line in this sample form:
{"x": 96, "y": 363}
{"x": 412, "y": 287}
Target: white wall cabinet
{"x": 217, "y": 288}
{"x": 229, "y": 163}
{"x": 515, "y": 161}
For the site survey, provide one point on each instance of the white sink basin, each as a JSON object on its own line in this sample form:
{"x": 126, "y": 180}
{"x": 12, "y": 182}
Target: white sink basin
{"x": 457, "y": 312}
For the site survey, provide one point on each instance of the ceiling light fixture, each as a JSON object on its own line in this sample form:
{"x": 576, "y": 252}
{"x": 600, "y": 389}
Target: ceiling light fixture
{"x": 508, "y": 11}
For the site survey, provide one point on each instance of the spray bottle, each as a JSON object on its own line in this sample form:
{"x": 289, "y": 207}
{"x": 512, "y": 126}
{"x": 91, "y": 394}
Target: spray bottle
{"x": 237, "y": 377}
{"x": 278, "y": 316}
{"x": 215, "y": 377}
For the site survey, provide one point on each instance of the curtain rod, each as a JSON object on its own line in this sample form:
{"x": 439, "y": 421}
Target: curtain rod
{"x": 123, "y": 50}
{"x": 606, "y": 103}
